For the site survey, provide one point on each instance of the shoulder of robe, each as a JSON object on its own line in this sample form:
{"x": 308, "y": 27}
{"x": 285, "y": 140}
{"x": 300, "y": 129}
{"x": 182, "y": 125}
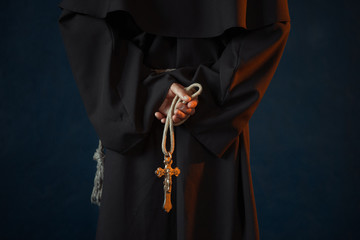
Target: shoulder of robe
{"x": 188, "y": 18}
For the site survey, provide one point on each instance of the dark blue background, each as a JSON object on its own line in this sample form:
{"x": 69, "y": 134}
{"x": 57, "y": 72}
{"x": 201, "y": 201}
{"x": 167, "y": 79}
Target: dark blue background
{"x": 304, "y": 134}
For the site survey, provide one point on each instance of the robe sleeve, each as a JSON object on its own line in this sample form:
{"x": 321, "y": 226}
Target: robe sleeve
{"x": 119, "y": 92}
{"x": 234, "y": 85}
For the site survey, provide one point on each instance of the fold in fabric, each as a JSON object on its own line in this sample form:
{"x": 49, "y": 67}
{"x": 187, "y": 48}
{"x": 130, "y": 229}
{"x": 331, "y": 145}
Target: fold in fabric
{"x": 188, "y": 18}
{"x": 111, "y": 60}
{"x": 234, "y": 85}
{"x": 119, "y": 92}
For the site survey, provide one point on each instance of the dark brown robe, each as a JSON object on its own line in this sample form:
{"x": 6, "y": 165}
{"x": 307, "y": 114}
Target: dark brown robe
{"x": 112, "y": 47}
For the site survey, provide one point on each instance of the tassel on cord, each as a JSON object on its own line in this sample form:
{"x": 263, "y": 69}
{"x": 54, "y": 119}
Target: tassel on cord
{"x": 99, "y": 156}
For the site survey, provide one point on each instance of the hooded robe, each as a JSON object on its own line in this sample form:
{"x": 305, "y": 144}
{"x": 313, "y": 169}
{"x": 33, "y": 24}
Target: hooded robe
{"x": 232, "y": 48}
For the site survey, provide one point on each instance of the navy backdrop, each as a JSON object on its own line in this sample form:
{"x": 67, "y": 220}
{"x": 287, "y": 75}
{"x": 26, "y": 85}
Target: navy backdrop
{"x": 304, "y": 134}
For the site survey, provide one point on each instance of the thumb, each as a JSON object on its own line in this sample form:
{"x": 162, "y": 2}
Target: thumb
{"x": 179, "y": 90}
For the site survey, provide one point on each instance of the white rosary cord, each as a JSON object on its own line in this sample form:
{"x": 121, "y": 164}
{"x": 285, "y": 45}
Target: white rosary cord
{"x": 169, "y": 124}
{"x": 99, "y": 155}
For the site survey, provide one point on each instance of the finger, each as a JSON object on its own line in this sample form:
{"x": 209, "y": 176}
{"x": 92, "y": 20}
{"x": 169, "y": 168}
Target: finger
{"x": 159, "y": 115}
{"x": 187, "y": 110}
{"x": 183, "y": 108}
{"x": 179, "y": 90}
{"x": 175, "y": 119}
{"x": 163, "y": 120}
{"x": 180, "y": 114}
{"x": 192, "y": 103}
{"x": 192, "y": 111}
{"x": 179, "y": 105}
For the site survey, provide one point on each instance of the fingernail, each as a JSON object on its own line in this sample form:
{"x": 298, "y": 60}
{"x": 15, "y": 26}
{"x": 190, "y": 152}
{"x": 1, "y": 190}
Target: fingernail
{"x": 187, "y": 98}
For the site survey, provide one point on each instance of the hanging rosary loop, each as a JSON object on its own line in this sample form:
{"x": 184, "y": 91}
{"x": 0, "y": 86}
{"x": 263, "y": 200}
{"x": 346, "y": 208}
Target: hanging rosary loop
{"x": 168, "y": 171}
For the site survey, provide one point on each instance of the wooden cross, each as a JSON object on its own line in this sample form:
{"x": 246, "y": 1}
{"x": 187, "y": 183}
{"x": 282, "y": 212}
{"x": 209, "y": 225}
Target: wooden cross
{"x": 167, "y": 172}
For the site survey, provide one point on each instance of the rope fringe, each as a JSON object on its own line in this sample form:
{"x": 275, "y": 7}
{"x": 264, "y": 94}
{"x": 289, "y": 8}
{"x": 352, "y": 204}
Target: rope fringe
{"x": 99, "y": 156}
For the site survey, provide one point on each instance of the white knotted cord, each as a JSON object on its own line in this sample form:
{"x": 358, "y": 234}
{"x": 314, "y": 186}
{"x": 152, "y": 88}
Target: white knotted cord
{"x": 99, "y": 154}
{"x": 169, "y": 124}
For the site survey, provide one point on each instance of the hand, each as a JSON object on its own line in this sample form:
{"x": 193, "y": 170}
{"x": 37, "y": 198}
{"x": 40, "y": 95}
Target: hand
{"x": 182, "y": 110}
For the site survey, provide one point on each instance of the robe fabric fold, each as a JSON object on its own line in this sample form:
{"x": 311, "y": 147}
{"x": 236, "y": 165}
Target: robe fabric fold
{"x": 188, "y": 18}
{"x": 112, "y": 58}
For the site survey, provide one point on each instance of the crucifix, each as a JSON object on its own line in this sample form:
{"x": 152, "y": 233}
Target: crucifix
{"x": 167, "y": 172}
